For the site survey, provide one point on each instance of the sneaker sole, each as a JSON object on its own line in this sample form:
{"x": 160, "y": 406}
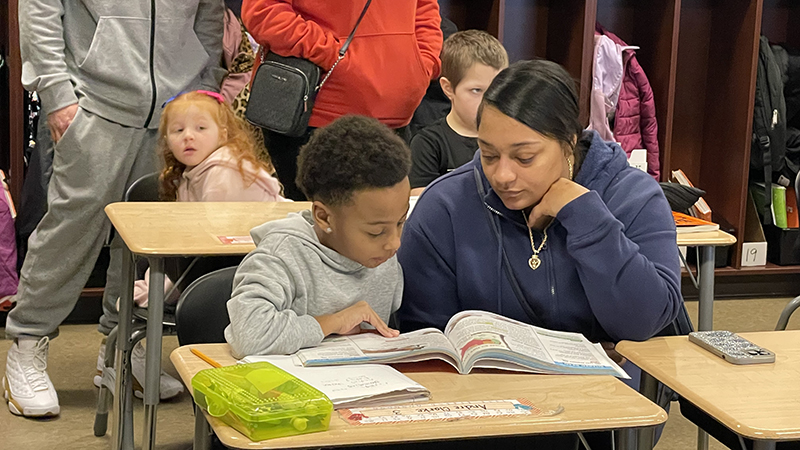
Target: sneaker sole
{"x": 18, "y": 410}
{"x": 138, "y": 390}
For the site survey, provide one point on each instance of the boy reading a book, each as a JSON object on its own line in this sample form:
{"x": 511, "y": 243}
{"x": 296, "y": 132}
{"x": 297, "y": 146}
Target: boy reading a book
{"x": 330, "y": 269}
{"x": 470, "y": 61}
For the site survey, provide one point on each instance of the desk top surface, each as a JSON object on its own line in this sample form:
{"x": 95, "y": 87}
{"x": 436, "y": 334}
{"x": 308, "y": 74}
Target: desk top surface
{"x": 590, "y": 403}
{"x": 196, "y": 228}
{"x": 193, "y": 228}
{"x": 711, "y": 238}
{"x": 760, "y": 401}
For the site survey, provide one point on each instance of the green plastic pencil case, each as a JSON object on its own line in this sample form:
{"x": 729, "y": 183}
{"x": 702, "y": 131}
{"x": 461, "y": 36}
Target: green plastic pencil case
{"x": 261, "y": 401}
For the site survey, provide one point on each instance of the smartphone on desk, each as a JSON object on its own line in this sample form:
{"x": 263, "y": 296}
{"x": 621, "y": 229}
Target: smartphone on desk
{"x": 731, "y": 347}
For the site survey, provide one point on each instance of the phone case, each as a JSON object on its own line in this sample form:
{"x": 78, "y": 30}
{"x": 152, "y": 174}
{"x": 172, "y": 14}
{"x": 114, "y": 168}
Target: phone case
{"x": 731, "y": 347}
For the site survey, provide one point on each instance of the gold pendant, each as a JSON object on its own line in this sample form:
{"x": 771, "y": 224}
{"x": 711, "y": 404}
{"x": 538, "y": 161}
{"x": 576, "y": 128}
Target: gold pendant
{"x": 534, "y": 262}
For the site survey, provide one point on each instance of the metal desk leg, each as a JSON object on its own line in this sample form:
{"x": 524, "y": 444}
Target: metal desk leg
{"x": 705, "y": 315}
{"x": 202, "y": 430}
{"x": 122, "y": 432}
{"x": 627, "y": 438}
{"x": 155, "y": 317}
{"x": 648, "y": 387}
{"x": 702, "y": 440}
{"x": 764, "y": 445}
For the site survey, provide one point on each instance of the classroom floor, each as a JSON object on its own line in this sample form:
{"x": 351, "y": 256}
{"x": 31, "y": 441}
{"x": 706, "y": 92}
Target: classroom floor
{"x": 72, "y": 360}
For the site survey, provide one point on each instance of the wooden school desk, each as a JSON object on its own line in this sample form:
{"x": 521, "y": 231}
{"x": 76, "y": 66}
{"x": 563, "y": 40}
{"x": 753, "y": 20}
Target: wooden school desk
{"x": 157, "y": 230}
{"x": 590, "y": 403}
{"x": 759, "y": 402}
{"x": 705, "y": 243}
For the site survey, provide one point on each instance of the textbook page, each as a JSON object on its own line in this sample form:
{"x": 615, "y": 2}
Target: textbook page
{"x": 572, "y": 350}
{"x": 352, "y": 386}
{"x": 488, "y": 340}
{"x": 420, "y": 345}
{"x": 475, "y": 332}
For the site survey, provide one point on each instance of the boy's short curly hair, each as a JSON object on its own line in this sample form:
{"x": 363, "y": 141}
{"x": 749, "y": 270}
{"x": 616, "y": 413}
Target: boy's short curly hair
{"x": 351, "y": 154}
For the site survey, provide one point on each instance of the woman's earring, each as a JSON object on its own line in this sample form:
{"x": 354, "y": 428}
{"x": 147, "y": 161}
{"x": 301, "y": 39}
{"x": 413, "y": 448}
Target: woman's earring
{"x": 328, "y": 230}
{"x": 569, "y": 163}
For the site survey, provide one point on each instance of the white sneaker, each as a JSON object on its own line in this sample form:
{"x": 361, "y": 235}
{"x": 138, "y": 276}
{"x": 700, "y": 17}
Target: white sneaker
{"x": 26, "y": 386}
{"x": 169, "y": 386}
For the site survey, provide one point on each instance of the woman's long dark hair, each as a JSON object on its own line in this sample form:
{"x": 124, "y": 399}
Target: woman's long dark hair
{"x": 539, "y": 94}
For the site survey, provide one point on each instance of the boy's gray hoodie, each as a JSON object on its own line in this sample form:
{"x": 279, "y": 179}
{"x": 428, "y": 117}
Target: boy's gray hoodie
{"x": 290, "y": 278}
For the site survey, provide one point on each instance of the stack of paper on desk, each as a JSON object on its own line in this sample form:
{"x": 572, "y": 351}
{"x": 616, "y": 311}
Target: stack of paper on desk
{"x": 353, "y": 386}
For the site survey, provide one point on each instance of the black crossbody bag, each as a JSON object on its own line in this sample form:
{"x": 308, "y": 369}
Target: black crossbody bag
{"x": 284, "y": 89}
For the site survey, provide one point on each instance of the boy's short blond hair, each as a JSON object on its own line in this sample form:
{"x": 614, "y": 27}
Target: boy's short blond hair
{"x": 465, "y": 48}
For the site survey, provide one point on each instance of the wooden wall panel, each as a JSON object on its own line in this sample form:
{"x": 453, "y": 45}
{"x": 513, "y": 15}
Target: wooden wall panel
{"x": 652, "y": 26}
{"x": 781, "y": 22}
{"x": 570, "y": 42}
{"x": 12, "y": 100}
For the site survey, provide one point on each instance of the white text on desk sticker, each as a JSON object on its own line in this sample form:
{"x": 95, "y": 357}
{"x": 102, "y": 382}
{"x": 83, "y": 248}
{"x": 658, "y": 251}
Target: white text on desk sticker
{"x": 425, "y": 412}
{"x": 233, "y": 240}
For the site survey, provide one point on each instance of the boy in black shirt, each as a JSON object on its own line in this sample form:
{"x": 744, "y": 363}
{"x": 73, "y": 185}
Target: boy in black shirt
{"x": 470, "y": 61}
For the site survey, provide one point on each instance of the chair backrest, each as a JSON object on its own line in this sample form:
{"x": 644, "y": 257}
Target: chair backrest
{"x": 145, "y": 189}
{"x": 201, "y": 316}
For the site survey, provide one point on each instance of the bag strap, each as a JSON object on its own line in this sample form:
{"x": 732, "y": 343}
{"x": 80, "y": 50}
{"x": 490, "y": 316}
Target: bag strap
{"x": 506, "y": 263}
{"x": 343, "y": 50}
{"x": 766, "y": 153}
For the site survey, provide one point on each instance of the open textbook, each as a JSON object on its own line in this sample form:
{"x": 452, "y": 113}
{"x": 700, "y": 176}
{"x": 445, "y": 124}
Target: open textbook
{"x": 472, "y": 339}
{"x": 352, "y": 386}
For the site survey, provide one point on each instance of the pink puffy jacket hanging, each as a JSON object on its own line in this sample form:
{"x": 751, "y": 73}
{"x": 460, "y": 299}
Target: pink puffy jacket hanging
{"x": 635, "y": 124}
{"x": 606, "y": 83}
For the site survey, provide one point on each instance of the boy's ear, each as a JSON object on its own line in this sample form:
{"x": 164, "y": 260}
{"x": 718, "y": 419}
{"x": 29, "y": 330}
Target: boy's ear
{"x": 322, "y": 214}
{"x": 447, "y": 88}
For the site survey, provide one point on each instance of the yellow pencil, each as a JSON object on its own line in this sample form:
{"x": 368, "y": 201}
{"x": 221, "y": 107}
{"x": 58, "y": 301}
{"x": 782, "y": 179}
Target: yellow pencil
{"x": 205, "y": 358}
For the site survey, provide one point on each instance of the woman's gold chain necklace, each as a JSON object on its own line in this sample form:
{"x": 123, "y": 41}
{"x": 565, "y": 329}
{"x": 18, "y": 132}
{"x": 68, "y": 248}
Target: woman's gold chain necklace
{"x": 534, "y": 261}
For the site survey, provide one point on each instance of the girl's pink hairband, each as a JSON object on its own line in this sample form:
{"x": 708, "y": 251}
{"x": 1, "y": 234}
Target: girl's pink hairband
{"x": 215, "y": 95}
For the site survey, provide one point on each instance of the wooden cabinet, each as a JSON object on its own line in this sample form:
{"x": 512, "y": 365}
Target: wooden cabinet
{"x": 11, "y": 99}
{"x": 699, "y": 55}
{"x": 714, "y": 91}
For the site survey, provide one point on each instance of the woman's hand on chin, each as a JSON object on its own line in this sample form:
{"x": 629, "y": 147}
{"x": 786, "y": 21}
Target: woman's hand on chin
{"x": 559, "y": 195}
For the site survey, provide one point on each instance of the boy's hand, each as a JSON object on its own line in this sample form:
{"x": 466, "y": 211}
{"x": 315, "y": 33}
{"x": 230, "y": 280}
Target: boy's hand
{"x": 348, "y": 321}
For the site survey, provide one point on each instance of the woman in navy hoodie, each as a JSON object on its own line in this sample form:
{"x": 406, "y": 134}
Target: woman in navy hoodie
{"x": 547, "y": 225}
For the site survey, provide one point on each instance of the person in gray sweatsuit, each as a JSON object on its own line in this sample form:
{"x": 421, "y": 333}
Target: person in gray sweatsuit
{"x": 102, "y": 68}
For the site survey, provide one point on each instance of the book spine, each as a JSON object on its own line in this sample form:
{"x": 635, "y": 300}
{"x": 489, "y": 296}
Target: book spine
{"x": 792, "y": 217}
{"x": 779, "y": 206}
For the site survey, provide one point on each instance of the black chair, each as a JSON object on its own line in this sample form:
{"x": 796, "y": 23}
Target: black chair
{"x": 201, "y": 316}
{"x": 783, "y": 321}
{"x": 145, "y": 189}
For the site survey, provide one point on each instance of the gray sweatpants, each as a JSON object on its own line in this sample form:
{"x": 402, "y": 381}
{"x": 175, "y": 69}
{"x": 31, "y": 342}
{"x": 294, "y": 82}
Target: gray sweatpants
{"x": 94, "y": 163}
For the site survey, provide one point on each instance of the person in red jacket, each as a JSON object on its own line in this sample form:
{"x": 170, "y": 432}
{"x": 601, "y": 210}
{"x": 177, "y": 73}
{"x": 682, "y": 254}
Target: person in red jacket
{"x": 384, "y": 75}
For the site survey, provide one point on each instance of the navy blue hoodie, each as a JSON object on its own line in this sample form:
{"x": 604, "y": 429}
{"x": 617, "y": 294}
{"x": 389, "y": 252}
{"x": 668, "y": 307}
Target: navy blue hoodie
{"x": 609, "y": 268}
